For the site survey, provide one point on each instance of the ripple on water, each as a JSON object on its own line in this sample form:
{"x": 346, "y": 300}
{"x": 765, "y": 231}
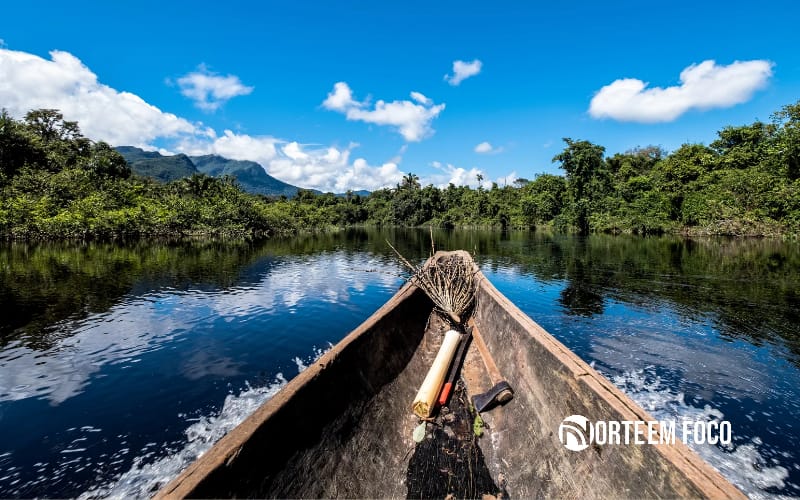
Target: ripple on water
{"x": 152, "y": 469}
{"x": 177, "y": 337}
{"x": 745, "y": 464}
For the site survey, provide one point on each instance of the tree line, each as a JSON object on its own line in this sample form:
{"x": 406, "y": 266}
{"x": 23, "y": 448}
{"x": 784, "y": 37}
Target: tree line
{"x": 56, "y": 184}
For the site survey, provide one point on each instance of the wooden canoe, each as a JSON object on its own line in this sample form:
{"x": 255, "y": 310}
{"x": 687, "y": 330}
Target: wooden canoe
{"x": 343, "y": 427}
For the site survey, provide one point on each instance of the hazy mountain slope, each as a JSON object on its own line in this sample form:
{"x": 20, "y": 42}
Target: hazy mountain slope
{"x": 250, "y": 175}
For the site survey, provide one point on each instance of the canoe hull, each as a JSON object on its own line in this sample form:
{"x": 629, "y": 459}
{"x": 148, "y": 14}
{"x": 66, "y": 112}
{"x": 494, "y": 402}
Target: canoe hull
{"x": 551, "y": 383}
{"x": 343, "y": 427}
{"x": 312, "y": 424}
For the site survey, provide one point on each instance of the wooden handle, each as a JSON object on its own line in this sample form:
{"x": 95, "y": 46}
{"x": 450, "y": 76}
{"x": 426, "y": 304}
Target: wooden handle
{"x": 452, "y": 375}
{"x": 432, "y": 385}
{"x": 494, "y": 373}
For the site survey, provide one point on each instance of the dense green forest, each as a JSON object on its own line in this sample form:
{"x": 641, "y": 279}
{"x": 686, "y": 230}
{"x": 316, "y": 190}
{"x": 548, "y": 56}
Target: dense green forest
{"x": 55, "y": 183}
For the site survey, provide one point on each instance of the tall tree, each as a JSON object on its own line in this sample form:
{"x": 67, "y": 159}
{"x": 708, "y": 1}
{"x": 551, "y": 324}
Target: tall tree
{"x": 410, "y": 181}
{"x": 743, "y": 147}
{"x": 543, "y": 198}
{"x": 787, "y": 151}
{"x": 49, "y": 125}
{"x": 16, "y": 148}
{"x": 585, "y": 168}
{"x": 61, "y": 139}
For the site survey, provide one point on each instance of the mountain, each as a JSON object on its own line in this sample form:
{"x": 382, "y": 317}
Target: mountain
{"x": 250, "y": 175}
{"x": 133, "y": 154}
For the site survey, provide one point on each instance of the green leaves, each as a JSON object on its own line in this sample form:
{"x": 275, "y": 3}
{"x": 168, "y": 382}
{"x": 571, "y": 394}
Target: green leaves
{"x": 55, "y": 183}
{"x": 419, "y": 432}
{"x": 586, "y": 178}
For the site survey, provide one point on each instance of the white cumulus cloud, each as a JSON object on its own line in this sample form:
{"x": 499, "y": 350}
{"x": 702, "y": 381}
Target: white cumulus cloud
{"x": 412, "y": 119}
{"x": 209, "y": 90}
{"x": 260, "y": 149}
{"x": 340, "y": 99}
{"x": 29, "y": 82}
{"x": 702, "y": 86}
{"x": 463, "y": 70}
{"x": 328, "y": 169}
{"x": 63, "y": 82}
{"x": 451, "y": 174}
{"x": 487, "y": 148}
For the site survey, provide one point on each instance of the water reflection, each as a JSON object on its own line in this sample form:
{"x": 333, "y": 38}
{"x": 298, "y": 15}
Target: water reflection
{"x": 699, "y": 363}
{"x": 580, "y": 297}
{"x": 57, "y": 364}
{"x": 750, "y": 287}
{"x": 110, "y": 352}
{"x": 177, "y": 329}
{"x": 41, "y": 286}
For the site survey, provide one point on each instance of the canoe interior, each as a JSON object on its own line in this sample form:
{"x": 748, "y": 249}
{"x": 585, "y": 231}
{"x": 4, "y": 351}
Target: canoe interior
{"x": 343, "y": 427}
{"x": 551, "y": 383}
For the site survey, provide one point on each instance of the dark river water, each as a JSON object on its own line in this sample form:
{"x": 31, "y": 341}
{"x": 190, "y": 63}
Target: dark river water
{"x": 119, "y": 364}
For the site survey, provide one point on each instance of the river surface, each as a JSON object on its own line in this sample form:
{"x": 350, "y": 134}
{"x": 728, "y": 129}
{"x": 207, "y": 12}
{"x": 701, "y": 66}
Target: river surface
{"x": 119, "y": 364}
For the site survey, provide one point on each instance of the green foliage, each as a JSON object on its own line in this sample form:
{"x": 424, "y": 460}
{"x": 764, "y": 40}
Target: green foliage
{"x": 785, "y": 151}
{"x": 58, "y": 184}
{"x": 17, "y": 148}
{"x": 55, "y": 183}
{"x": 586, "y": 179}
{"x": 743, "y": 147}
{"x": 543, "y": 199}
{"x": 165, "y": 169}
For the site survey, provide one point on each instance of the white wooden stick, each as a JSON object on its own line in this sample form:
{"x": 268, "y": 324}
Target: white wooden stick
{"x": 432, "y": 385}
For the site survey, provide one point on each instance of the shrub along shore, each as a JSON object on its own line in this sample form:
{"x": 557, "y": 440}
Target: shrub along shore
{"x": 57, "y": 184}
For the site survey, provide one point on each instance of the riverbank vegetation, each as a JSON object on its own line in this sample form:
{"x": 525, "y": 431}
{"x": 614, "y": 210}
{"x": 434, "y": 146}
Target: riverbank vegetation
{"x": 55, "y": 183}
{"x": 49, "y": 282}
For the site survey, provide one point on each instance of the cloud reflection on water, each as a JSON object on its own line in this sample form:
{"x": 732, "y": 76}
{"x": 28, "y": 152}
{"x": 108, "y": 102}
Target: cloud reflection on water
{"x": 142, "y": 324}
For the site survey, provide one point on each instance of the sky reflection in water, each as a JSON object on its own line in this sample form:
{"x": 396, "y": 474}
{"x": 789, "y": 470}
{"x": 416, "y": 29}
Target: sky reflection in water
{"x": 120, "y": 364}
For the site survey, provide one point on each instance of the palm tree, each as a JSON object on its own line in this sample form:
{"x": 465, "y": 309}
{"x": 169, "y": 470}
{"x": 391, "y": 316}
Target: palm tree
{"x": 410, "y": 181}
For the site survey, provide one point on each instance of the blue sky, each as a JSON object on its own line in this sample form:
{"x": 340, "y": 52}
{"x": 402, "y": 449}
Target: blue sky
{"x": 145, "y": 74}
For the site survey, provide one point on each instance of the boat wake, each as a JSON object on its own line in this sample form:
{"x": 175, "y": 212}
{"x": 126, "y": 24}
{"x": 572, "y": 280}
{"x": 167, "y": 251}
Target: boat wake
{"x": 318, "y": 352}
{"x": 744, "y": 464}
{"x": 148, "y": 473}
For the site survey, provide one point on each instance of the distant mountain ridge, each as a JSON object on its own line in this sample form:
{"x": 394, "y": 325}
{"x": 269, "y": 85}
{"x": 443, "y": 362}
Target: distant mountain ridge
{"x": 153, "y": 164}
{"x": 249, "y": 174}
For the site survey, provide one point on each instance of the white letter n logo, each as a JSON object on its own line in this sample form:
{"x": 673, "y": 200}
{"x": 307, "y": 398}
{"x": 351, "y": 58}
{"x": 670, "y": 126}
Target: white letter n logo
{"x": 575, "y": 433}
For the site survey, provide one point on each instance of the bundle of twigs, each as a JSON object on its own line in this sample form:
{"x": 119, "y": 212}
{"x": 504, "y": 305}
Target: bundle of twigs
{"x": 449, "y": 282}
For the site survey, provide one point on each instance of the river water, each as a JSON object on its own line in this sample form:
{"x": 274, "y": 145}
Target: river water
{"x": 119, "y": 364}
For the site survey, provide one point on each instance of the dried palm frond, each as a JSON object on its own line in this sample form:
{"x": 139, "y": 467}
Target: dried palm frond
{"x": 448, "y": 281}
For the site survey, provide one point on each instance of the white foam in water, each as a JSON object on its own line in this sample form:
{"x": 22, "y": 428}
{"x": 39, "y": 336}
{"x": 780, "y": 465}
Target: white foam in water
{"x": 318, "y": 352}
{"x": 144, "y": 479}
{"x": 743, "y": 465}
{"x": 301, "y": 366}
